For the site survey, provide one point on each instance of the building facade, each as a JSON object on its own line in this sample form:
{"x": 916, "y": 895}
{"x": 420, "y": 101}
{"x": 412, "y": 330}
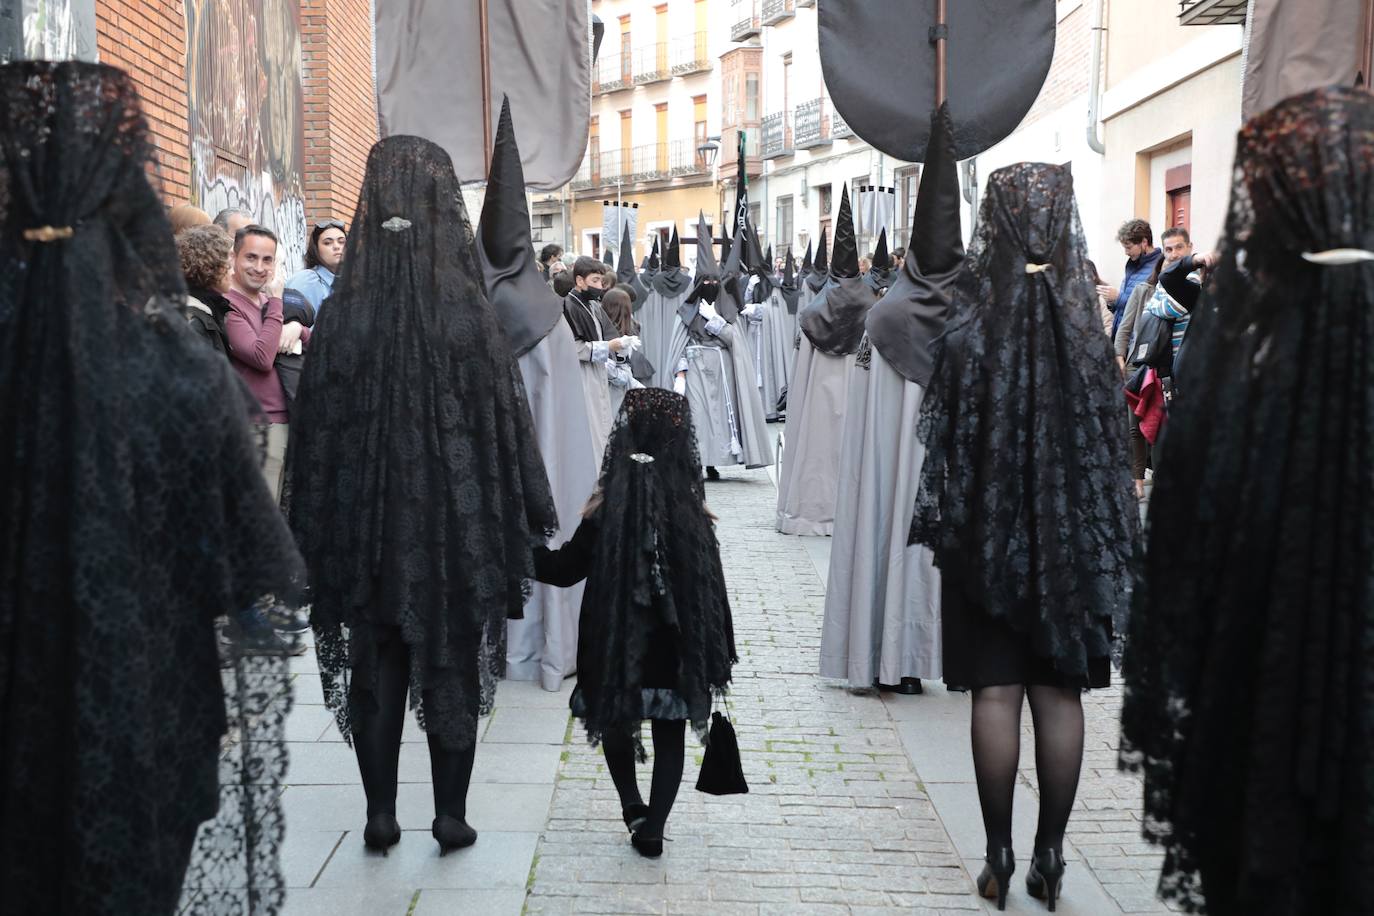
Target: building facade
{"x": 655, "y": 101}
{"x": 261, "y": 104}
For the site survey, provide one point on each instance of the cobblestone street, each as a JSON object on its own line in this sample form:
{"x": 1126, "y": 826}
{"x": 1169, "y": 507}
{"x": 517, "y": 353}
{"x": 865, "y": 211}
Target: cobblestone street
{"x": 858, "y": 803}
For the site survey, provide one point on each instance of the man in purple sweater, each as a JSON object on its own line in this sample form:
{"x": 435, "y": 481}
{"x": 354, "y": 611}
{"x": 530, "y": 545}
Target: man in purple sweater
{"x": 256, "y": 335}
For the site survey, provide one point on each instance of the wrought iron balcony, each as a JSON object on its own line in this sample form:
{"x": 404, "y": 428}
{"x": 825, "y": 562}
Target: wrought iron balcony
{"x": 691, "y": 54}
{"x": 810, "y": 126}
{"x": 838, "y": 129}
{"x": 645, "y": 163}
{"x": 1212, "y": 12}
{"x": 613, "y": 73}
{"x": 667, "y": 59}
{"x": 776, "y": 139}
{"x": 747, "y": 25}
{"x": 775, "y": 11}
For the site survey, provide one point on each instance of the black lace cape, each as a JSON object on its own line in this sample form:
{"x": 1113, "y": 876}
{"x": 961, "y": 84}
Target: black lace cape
{"x": 656, "y": 564}
{"x": 418, "y": 491}
{"x": 1025, "y": 491}
{"x": 135, "y": 513}
{"x": 1249, "y": 700}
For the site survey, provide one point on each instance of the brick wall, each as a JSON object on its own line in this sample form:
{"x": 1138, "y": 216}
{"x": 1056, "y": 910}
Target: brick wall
{"x": 340, "y": 106}
{"x": 1068, "y": 76}
{"x": 147, "y": 38}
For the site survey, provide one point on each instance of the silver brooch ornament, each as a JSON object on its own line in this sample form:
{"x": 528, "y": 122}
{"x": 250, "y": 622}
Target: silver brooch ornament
{"x": 642, "y": 458}
{"x": 396, "y": 224}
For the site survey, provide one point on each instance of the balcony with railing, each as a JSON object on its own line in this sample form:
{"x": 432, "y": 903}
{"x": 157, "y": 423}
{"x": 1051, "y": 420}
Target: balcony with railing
{"x": 838, "y": 129}
{"x": 776, "y": 11}
{"x": 775, "y": 136}
{"x": 746, "y": 20}
{"x": 666, "y": 59}
{"x": 1212, "y": 12}
{"x": 803, "y": 4}
{"x": 810, "y": 125}
{"x": 613, "y": 73}
{"x": 646, "y": 163}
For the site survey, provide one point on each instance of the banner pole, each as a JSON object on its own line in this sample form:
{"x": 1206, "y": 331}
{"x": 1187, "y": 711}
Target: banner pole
{"x": 484, "y": 41}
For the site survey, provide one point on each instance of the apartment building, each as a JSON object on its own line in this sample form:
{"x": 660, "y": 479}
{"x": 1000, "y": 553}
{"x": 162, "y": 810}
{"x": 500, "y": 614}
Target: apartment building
{"x": 655, "y": 101}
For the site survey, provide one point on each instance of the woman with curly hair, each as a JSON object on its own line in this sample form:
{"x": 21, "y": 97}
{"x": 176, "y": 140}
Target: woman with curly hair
{"x": 205, "y": 252}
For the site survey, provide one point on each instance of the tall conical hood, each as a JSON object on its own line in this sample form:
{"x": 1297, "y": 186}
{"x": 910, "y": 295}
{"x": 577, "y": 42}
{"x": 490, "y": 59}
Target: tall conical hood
{"x": 844, "y": 260}
{"x": 672, "y": 258}
{"x": 806, "y": 260}
{"x": 768, "y": 259}
{"x": 822, "y": 263}
{"x": 708, "y": 273}
{"x": 791, "y": 290}
{"x": 654, "y": 262}
{"x": 606, "y": 256}
{"x": 706, "y": 257}
{"x": 523, "y": 302}
{"x": 732, "y": 282}
{"x": 879, "y": 275}
{"x": 820, "y": 270}
{"x": 913, "y": 313}
{"x": 625, "y": 273}
{"x": 789, "y": 270}
{"x": 882, "y": 259}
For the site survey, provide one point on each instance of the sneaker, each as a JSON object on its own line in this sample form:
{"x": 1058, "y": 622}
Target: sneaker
{"x": 287, "y": 620}
{"x": 250, "y": 633}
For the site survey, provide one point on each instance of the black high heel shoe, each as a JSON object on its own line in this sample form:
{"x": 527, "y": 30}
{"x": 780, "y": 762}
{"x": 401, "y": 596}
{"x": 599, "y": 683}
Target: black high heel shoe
{"x": 451, "y": 833}
{"x": 650, "y": 847}
{"x": 635, "y": 816}
{"x": 381, "y": 833}
{"x": 996, "y": 877}
{"x": 1046, "y": 876}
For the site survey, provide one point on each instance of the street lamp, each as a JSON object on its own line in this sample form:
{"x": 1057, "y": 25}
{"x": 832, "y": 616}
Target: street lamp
{"x": 708, "y": 150}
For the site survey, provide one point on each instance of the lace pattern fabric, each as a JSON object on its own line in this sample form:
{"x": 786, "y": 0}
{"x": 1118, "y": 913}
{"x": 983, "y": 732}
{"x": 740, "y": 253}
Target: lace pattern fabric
{"x": 417, "y": 489}
{"x": 135, "y": 514}
{"x": 1025, "y": 492}
{"x": 1249, "y": 692}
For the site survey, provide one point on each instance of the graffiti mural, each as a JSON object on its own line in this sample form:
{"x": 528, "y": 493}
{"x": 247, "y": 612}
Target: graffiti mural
{"x": 243, "y": 67}
{"x": 47, "y": 29}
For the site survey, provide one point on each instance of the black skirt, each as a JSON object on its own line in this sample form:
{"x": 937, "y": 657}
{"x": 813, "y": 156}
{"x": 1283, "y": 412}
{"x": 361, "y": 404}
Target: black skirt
{"x": 981, "y": 651}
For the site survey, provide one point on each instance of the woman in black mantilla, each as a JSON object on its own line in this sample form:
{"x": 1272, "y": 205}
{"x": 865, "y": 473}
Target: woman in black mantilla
{"x": 1249, "y": 673}
{"x": 134, "y": 514}
{"x": 656, "y": 639}
{"x": 418, "y": 492}
{"x": 1026, "y": 500}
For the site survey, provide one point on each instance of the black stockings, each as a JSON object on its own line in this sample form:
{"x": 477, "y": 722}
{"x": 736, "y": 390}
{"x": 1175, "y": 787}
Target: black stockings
{"x": 669, "y": 751}
{"x": 1057, "y": 716}
{"x": 378, "y": 744}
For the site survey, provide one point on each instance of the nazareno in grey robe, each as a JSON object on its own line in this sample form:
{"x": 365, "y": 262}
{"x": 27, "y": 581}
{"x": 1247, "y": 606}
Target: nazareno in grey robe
{"x": 543, "y": 645}
{"x": 882, "y": 603}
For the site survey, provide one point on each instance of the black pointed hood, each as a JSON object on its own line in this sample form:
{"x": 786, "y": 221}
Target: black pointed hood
{"x": 708, "y": 272}
{"x": 606, "y": 257}
{"x": 734, "y": 279}
{"x": 522, "y": 300}
{"x": 820, "y": 270}
{"x": 791, "y": 286}
{"x": 806, "y": 262}
{"x": 654, "y": 262}
{"x": 673, "y": 280}
{"x": 880, "y": 275}
{"x": 913, "y": 313}
{"x": 768, "y": 259}
{"x": 625, "y": 273}
{"x": 834, "y": 321}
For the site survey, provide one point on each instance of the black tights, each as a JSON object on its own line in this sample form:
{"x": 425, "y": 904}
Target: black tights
{"x": 1057, "y": 715}
{"x": 669, "y": 736}
{"x": 378, "y": 744}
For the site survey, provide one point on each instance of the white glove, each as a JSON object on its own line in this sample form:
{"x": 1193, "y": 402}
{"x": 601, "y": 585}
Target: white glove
{"x": 680, "y": 384}
{"x": 626, "y": 343}
{"x": 708, "y": 311}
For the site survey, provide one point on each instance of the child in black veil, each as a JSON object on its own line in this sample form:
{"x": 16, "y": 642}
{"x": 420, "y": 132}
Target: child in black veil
{"x": 656, "y": 639}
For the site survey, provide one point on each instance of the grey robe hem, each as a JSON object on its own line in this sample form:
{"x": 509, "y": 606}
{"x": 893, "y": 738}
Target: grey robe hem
{"x": 810, "y": 461}
{"x": 658, "y": 324}
{"x": 725, "y": 412}
{"x": 882, "y": 600}
{"x": 543, "y": 646}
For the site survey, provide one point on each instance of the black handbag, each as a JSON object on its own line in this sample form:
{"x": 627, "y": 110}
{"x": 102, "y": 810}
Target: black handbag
{"x": 721, "y": 770}
{"x": 1154, "y": 343}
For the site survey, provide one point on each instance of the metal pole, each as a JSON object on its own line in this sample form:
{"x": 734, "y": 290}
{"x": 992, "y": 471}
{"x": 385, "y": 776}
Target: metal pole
{"x": 941, "y": 49}
{"x": 484, "y": 41}
{"x": 1367, "y": 49}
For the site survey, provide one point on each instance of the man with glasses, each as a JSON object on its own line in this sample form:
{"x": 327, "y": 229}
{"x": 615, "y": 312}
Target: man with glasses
{"x": 323, "y": 255}
{"x": 1137, "y": 241}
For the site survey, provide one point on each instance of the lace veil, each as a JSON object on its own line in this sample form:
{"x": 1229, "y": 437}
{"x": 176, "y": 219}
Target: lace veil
{"x": 418, "y": 491}
{"x": 135, "y": 514}
{"x": 1025, "y": 492}
{"x": 1249, "y": 687}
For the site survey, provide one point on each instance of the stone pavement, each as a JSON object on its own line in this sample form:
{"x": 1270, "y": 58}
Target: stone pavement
{"x": 858, "y": 804}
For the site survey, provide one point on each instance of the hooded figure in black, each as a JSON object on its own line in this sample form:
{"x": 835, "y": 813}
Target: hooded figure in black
{"x": 657, "y": 638}
{"x": 880, "y": 273}
{"x": 1249, "y": 671}
{"x": 714, "y": 367}
{"x": 542, "y": 646}
{"x": 1026, "y": 500}
{"x": 135, "y": 514}
{"x": 419, "y": 493}
{"x": 832, "y": 326}
{"x": 667, "y": 292}
{"x": 625, "y": 273}
{"x": 882, "y": 598}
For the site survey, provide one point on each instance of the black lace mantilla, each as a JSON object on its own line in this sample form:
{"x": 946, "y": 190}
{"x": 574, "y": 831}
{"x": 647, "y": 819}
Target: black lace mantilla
{"x": 1249, "y": 701}
{"x": 418, "y": 491}
{"x": 135, "y": 514}
{"x": 1025, "y": 492}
